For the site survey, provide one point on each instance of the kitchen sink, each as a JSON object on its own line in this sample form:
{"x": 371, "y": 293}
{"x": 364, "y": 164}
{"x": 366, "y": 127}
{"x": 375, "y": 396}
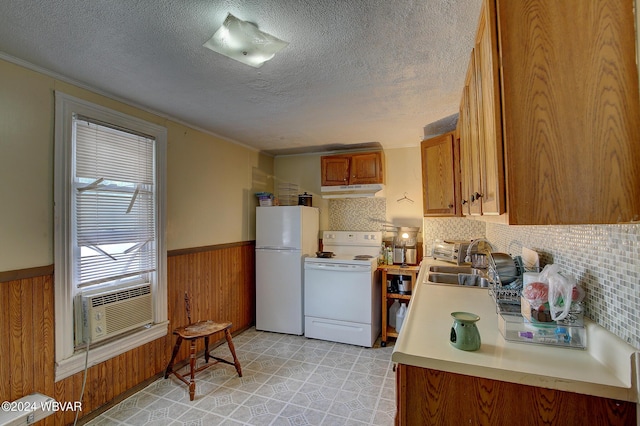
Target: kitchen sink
{"x": 451, "y": 269}
{"x": 443, "y": 278}
{"x": 454, "y": 279}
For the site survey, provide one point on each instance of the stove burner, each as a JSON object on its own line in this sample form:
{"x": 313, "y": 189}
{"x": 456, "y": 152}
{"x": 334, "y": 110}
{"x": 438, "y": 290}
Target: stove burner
{"x": 362, "y": 257}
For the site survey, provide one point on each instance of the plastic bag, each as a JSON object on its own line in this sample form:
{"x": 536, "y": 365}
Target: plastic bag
{"x": 551, "y": 291}
{"x": 560, "y": 293}
{"x": 536, "y": 293}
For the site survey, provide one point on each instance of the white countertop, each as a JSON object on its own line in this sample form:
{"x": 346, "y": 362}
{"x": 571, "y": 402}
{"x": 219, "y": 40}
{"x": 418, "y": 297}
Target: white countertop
{"x": 607, "y": 368}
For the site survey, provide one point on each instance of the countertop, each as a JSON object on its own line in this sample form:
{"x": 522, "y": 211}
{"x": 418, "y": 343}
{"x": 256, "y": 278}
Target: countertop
{"x": 607, "y": 368}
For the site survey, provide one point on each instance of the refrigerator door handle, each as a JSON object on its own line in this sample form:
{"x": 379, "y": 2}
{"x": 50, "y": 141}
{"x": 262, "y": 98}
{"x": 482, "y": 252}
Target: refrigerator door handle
{"x": 277, "y": 248}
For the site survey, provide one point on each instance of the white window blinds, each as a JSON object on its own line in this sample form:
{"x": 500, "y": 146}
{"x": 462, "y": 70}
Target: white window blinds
{"x": 113, "y": 204}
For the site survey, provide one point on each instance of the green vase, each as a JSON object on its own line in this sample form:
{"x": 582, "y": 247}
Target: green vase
{"x": 464, "y": 333}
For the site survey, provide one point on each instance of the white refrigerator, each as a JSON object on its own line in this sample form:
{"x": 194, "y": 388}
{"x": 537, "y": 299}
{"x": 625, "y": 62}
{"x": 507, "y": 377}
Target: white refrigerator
{"x": 285, "y": 235}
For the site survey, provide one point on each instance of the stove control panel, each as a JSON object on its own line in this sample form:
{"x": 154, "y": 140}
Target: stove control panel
{"x": 363, "y": 238}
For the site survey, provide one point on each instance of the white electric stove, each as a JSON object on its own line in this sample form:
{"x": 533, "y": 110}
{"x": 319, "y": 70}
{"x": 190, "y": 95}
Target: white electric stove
{"x": 342, "y": 293}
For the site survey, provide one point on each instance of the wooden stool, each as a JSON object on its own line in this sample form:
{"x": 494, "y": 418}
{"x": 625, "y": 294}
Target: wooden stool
{"x": 193, "y": 332}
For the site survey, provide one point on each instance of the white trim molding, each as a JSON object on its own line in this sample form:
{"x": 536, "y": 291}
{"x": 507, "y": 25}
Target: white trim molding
{"x": 76, "y": 362}
{"x": 69, "y": 360}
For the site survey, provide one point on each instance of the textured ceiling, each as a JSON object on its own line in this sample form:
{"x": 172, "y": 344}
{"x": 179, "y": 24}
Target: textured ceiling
{"x": 355, "y": 72}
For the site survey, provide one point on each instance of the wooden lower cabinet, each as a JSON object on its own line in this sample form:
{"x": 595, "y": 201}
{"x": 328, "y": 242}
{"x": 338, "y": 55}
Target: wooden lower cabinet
{"x": 431, "y": 397}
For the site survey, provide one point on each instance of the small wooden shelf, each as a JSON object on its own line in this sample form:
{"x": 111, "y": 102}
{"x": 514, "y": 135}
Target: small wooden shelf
{"x": 391, "y": 332}
{"x": 412, "y": 271}
{"x": 398, "y": 296}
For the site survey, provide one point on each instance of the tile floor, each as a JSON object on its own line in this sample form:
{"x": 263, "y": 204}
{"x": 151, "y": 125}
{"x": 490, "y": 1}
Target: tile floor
{"x": 287, "y": 380}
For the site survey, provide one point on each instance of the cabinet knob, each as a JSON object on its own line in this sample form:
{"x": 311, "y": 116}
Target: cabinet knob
{"x": 464, "y": 202}
{"x": 478, "y": 195}
{"x": 450, "y": 206}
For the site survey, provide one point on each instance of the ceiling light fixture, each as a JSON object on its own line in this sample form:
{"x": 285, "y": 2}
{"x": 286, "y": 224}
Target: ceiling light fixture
{"x": 244, "y": 42}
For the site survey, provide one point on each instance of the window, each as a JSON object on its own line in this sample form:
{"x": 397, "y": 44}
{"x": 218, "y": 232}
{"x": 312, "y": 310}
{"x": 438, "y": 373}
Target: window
{"x": 109, "y": 232}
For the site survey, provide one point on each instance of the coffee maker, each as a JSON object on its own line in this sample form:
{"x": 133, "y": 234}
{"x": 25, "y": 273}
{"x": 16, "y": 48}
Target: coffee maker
{"x": 405, "y": 246}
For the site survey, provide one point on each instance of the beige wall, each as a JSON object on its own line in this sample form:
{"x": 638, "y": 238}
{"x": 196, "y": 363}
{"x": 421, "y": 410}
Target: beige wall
{"x": 210, "y": 182}
{"x": 402, "y": 171}
{"x": 211, "y": 189}
{"x": 404, "y": 175}
{"x": 26, "y": 168}
{"x": 304, "y": 171}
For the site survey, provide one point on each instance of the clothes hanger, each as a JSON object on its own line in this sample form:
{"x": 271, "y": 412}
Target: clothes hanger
{"x": 405, "y": 198}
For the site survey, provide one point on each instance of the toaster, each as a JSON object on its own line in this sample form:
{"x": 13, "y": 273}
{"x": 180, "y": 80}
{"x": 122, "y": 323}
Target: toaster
{"x": 453, "y": 251}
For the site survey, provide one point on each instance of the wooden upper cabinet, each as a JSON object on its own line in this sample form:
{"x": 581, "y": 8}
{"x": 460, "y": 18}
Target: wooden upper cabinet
{"x": 465, "y": 157}
{"x": 571, "y": 111}
{"x": 474, "y": 145}
{"x": 555, "y": 111}
{"x": 491, "y": 190}
{"x": 352, "y": 169}
{"x": 440, "y": 175}
{"x": 335, "y": 170}
{"x": 481, "y": 142}
{"x": 366, "y": 168}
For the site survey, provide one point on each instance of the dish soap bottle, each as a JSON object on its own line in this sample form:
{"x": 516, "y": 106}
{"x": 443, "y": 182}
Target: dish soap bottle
{"x": 393, "y": 310}
{"x": 400, "y": 316}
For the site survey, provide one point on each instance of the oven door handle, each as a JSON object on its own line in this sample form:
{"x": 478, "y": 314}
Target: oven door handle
{"x": 337, "y": 267}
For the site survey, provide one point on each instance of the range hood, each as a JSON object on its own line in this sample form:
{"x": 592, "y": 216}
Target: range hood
{"x": 351, "y": 191}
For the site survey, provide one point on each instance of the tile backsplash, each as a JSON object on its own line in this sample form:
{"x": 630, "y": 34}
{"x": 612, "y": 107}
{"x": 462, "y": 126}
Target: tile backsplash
{"x": 450, "y": 229}
{"x": 605, "y": 259}
{"x": 346, "y": 214}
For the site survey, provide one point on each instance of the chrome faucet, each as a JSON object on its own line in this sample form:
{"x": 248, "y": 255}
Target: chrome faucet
{"x": 473, "y": 243}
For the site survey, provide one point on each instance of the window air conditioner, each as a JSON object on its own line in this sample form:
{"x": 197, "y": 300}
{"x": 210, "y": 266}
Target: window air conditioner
{"x": 106, "y": 313}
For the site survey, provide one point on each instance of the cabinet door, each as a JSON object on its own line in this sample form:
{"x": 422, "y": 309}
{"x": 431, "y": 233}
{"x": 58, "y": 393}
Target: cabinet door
{"x": 465, "y": 156}
{"x": 366, "y": 168}
{"x": 335, "y": 170}
{"x": 440, "y": 175}
{"x": 474, "y": 146}
{"x": 431, "y": 397}
{"x": 570, "y": 110}
{"x": 401, "y": 392}
{"x": 489, "y": 116}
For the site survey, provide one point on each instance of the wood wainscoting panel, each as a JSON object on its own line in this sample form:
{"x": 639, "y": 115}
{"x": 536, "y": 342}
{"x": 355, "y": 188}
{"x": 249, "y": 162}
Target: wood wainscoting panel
{"x": 5, "y": 363}
{"x": 215, "y": 292}
{"x": 220, "y": 279}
